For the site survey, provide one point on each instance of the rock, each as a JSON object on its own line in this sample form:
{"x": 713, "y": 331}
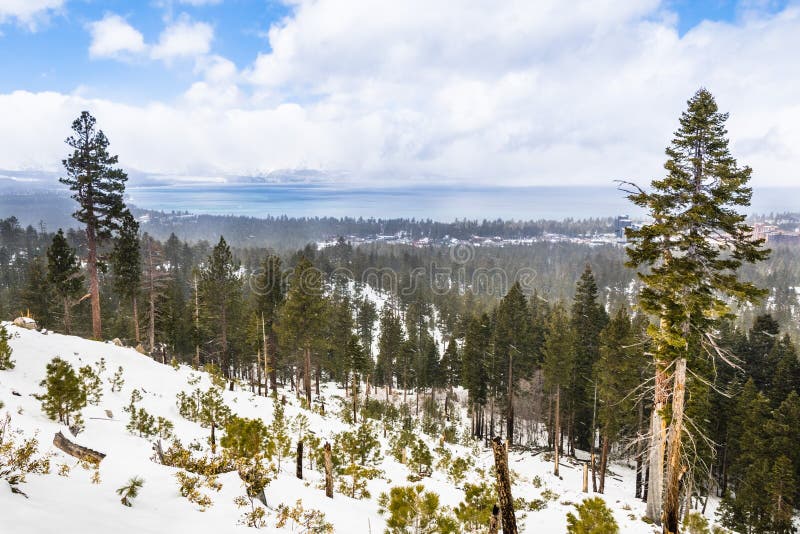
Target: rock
{"x": 140, "y": 349}
{"x": 116, "y": 341}
{"x": 26, "y": 322}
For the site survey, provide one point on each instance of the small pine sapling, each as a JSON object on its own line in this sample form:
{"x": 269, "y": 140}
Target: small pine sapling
{"x": 130, "y": 491}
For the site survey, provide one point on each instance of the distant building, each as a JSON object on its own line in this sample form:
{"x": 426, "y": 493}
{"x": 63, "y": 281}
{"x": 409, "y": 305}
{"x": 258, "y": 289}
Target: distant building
{"x": 620, "y": 223}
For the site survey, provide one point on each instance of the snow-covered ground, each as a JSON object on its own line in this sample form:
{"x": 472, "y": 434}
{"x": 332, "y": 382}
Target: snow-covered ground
{"x": 73, "y": 504}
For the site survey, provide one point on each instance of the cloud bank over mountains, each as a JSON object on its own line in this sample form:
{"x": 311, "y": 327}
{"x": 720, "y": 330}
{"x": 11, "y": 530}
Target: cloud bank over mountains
{"x": 477, "y": 92}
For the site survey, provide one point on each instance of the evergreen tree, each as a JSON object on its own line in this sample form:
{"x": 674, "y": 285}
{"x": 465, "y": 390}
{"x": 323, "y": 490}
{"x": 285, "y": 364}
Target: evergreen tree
{"x": 127, "y": 266}
{"x": 302, "y": 317}
{"x": 617, "y": 373}
{"x": 64, "y": 394}
{"x": 389, "y": 347}
{"x": 269, "y": 298}
{"x": 64, "y": 275}
{"x": 475, "y": 361}
{"x": 6, "y": 362}
{"x": 692, "y": 250}
{"x": 98, "y": 188}
{"x": 512, "y": 349}
{"x": 558, "y": 367}
{"x": 220, "y": 293}
{"x": 37, "y": 294}
{"x": 588, "y": 319}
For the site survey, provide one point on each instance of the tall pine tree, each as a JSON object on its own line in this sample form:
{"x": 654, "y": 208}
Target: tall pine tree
{"x": 98, "y": 187}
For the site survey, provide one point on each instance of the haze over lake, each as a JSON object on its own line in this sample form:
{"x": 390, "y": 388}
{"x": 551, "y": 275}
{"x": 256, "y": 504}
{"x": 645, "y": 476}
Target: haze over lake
{"x": 439, "y": 202}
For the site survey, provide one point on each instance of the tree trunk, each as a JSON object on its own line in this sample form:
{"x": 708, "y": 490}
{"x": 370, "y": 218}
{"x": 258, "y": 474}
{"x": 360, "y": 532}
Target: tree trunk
{"x": 328, "y": 471}
{"x": 355, "y": 398}
{"x": 136, "y": 335}
{"x": 78, "y": 451}
{"x": 504, "y": 486}
{"x": 675, "y": 470}
{"x": 603, "y": 463}
{"x": 67, "y": 321}
{"x": 223, "y": 323}
{"x": 307, "y": 374}
{"x": 494, "y": 520}
{"x": 658, "y": 431}
{"x": 639, "y": 453}
{"x": 94, "y": 284}
{"x": 300, "y": 460}
{"x": 557, "y": 430}
{"x": 510, "y": 406}
{"x": 213, "y": 438}
{"x": 586, "y": 478}
{"x": 593, "y": 437}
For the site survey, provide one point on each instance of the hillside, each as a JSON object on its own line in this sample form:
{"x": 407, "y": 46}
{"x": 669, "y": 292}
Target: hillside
{"x": 74, "y": 503}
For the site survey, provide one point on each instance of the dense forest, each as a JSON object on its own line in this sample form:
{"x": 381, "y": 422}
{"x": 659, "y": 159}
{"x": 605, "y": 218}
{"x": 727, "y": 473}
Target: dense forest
{"x": 664, "y": 345}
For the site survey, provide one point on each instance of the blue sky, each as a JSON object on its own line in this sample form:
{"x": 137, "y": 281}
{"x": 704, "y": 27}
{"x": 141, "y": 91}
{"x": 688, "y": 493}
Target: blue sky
{"x": 452, "y": 91}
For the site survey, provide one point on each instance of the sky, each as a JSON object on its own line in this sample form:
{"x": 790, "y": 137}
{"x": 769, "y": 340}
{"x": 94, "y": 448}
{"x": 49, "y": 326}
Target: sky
{"x": 388, "y": 92}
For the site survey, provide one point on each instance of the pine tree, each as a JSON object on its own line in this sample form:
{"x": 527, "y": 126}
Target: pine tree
{"x": 64, "y": 275}
{"x": 617, "y": 373}
{"x": 588, "y": 319}
{"x": 127, "y": 266}
{"x": 389, "y": 347}
{"x": 37, "y": 295}
{"x": 98, "y": 188}
{"x": 558, "y": 367}
{"x": 64, "y": 394}
{"x": 473, "y": 373}
{"x": 593, "y": 517}
{"x": 302, "y": 317}
{"x": 269, "y": 298}
{"x": 512, "y": 349}
{"x": 220, "y": 292}
{"x": 130, "y": 491}
{"x": 693, "y": 248}
{"x": 6, "y": 362}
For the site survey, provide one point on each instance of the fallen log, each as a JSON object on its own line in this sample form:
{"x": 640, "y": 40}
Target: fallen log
{"x": 78, "y": 451}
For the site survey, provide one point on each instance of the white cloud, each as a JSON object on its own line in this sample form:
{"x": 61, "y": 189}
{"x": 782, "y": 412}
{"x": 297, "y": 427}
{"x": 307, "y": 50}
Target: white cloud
{"x": 182, "y": 39}
{"x": 27, "y": 12}
{"x": 112, "y": 36}
{"x": 478, "y": 91}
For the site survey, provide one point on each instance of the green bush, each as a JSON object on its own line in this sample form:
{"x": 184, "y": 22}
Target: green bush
{"x": 6, "y": 362}
{"x": 64, "y": 395}
{"x": 594, "y": 517}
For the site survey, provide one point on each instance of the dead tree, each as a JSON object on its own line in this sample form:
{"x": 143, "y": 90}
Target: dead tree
{"x": 78, "y": 451}
{"x": 328, "y": 471}
{"x": 504, "y": 486}
{"x": 300, "y": 460}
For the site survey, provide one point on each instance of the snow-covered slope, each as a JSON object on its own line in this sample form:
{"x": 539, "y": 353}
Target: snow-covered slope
{"x": 73, "y": 504}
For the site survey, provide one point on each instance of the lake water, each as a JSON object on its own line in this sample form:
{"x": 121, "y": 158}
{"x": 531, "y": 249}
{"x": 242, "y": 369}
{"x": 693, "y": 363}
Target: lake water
{"x": 440, "y": 203}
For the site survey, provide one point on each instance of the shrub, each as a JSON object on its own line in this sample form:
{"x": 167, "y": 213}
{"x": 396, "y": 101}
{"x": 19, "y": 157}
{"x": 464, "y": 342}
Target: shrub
{"x": 130, "y": 491}
{"x": 304, "y": 521}
{"x": 117, "y": 381}
{"x": 594, "y": 517}
{"x": 410, "y": 509}
{"x": 475, "y": 510}
{"x": 19, "y": 459}
{"x": 244, "y": 438}
{"x": 696, "y": 523}
{"x": 91, "y": 384}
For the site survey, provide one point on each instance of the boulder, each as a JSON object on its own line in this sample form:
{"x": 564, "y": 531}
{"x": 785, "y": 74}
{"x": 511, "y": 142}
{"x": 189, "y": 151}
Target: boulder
{"x": 116, "y": 341}
{"x": 26, "y": 322}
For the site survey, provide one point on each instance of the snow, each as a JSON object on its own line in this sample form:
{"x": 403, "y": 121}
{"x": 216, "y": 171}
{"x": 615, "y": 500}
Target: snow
{"x": 74, "y": 504}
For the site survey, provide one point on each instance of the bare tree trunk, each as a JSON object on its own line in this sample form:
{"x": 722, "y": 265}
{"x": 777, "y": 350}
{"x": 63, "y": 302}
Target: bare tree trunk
{"x": 328, "y": 471}
{"x": 67, "y": 321}
{"x": 136, "y": 319}
{"x": 557, "y": 430}
{"x": 594, "y": 436}
{"x": 510, "y": 406}
{"x": 300, "y": 460}
{"x": 494, "y": 520}
{"x": 639, "y": 453}
{"x": 672, "y": 504}
{"x": 586, "y": 478}
{"x": 355, "y": 398}
{"x": 307, "y": 374}
{"x": 688, "y": 502}
{"x": 94, "y": 284}
{"x": 658, "y": 431}
{"x": 151, "y": 290}
{"x": 196, "y": 324}
{"x": 504, "y": 486}
{"x": 603, "y": 463}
